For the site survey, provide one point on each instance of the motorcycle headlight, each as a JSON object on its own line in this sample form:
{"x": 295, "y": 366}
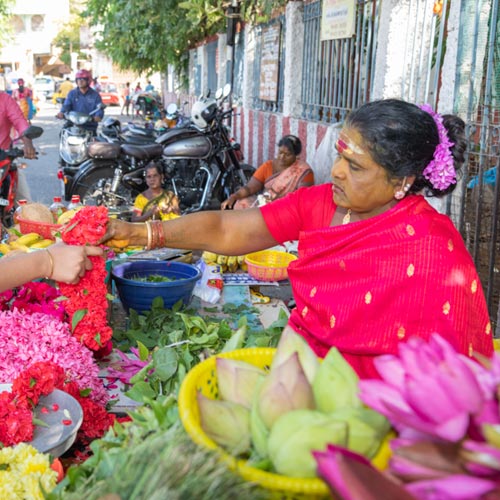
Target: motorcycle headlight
{"x": 75, "y": 141}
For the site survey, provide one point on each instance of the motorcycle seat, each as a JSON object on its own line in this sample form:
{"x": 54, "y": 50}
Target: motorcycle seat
{"x": 146, "y": 152}
{"x": 103, "y": 150}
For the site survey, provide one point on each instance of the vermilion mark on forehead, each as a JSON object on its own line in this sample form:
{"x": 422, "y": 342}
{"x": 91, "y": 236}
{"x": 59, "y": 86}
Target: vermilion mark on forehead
{"x": 342, "y": 147}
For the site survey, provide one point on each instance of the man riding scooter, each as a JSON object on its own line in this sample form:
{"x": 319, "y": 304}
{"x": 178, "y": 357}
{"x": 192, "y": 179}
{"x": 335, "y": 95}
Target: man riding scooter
{"x": 83, "y": 99}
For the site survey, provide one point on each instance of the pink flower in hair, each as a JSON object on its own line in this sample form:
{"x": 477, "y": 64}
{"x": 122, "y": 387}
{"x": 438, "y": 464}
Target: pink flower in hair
{"x": 441, "y": 169}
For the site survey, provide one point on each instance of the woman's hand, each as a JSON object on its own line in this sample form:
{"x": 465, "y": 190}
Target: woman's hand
{"x": 119, "y": 232}
{"x": 229, "y": 203}
{"x": 67, "y": 263}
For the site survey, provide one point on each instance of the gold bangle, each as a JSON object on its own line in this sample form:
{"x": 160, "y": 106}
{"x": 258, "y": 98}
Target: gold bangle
{"x": 51, "y": 259}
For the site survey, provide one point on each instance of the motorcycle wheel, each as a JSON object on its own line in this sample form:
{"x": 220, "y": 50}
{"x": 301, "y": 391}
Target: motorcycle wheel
{"x": 95, "y": 190}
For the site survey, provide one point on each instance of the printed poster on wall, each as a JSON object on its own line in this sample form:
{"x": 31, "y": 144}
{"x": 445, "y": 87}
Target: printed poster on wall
{"x": 337, "y": 19}
{"x": 269, "y": 63}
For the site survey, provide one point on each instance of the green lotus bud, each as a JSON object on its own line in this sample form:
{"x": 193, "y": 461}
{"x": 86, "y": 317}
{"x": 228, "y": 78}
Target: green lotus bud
{"x": 291, "y": 342}
{"x": 336, "y": 384}
{"x": 237, "y": 381}
{"x": 286, "y": 388}
{"x": 296, "y": 434}
{"x": 258, "y": 430}
{"x": 365, "y": 429}
{"x": 227, "y": 423}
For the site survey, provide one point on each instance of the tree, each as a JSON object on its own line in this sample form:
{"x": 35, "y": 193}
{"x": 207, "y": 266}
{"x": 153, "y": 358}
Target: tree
{"x": 5, "y": 25}
{"x": 148, "y": 35}
{"x": 68, "y": 39}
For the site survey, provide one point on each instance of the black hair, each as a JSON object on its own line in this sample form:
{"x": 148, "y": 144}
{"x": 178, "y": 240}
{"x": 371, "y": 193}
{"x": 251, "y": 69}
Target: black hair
{"x": 154, "y": 165}
{"x": 402, "y": 139}
{"x": 292, "y": 143}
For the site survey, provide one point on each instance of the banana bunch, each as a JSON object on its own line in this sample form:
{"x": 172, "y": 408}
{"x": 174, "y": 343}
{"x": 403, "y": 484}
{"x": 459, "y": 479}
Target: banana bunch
{"x": 25, "y": 242}
{"x": 226, "y": 263}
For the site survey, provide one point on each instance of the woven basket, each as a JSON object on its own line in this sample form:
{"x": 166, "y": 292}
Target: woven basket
{"x": 202, "y": 378}
{"x": 42, "y": 228}
{"x": 269, "y": 265}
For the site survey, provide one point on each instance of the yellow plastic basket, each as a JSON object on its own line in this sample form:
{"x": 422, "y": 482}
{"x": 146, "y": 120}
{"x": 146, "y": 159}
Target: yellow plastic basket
{"x": 269, "y": 265}
{"x": 202, "y": 378}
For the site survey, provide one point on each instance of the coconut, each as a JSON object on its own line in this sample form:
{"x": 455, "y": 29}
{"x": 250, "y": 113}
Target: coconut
{"x": 36, "y": 212}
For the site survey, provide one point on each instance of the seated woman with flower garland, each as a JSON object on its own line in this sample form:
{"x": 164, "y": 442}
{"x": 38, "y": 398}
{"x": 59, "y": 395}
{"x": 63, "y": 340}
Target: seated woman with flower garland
{"x": 377, "y": 263}
{"x": 64, "y": 263}
{"x": 155, "y": 202}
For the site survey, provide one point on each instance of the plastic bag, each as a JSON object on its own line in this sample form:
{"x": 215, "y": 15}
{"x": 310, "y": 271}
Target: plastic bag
{"x": 209, "y": 286}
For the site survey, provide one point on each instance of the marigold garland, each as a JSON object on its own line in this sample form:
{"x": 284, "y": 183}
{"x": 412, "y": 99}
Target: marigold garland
{"x": 88, "y": 226}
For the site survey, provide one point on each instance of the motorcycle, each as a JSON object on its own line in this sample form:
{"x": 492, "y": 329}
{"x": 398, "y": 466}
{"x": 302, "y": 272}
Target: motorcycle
{"x": 75, "y": 138}
{"x": 9, "y": 175}
{"x": 201, "y": 164}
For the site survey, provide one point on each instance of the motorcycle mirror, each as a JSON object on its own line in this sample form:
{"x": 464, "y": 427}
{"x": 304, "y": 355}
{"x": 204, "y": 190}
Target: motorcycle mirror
{"x": 218, "y": 94}
{"x": 227, "y": 90}
{"x": 33, "y": 132}
{"x": 172, "y": 108}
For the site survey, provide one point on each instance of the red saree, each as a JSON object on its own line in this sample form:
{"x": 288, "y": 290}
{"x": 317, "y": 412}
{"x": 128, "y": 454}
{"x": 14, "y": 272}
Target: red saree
{"x": 366, "y": 286}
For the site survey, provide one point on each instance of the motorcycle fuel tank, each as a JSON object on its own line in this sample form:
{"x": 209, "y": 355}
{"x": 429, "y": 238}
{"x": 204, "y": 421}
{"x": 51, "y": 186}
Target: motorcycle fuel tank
{"x": 189, "y": 148}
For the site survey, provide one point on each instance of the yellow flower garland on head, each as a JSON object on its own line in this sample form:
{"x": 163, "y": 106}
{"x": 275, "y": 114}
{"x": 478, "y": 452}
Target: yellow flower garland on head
{"x": 22, "y": 470}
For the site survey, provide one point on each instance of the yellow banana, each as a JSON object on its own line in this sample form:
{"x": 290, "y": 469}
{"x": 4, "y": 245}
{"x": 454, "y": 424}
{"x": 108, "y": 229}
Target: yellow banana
{"x": 42, "y": 244}
{"x": 222, "y": 260}
{"x": 232, "y": 264}
{"x": 4, "y": 248}
{"x": 241, "y": 259}
{"x": 28, "y": 239}
{"x": 18, "y": 246}
{"x": 209, "y": 257}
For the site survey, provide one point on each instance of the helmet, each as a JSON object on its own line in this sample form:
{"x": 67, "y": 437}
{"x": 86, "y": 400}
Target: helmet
{"x": 203, "y": 112}
{"x": 84, "y": 73}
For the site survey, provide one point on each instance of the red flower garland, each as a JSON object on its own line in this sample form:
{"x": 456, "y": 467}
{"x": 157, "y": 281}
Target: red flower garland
{"x": 87, "y": 304}
{"x": 40, "y": 379}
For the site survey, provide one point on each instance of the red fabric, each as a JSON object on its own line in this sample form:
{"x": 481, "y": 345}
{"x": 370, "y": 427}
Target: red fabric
{"x": 11, "y": 117}
{"x": 365, "y": 286}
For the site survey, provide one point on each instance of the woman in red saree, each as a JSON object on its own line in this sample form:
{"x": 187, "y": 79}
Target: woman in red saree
{"x": 274, "y": 178}
{"x": 377, "y": 264}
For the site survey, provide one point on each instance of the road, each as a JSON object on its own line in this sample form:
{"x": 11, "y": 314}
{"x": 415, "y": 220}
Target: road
{"x": 42, "y": 173}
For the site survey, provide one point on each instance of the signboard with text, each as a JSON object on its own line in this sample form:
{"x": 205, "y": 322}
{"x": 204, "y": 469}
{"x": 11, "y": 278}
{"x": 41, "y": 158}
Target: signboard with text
{"x": 337, "y": 19}
{"x": 269, "y": 63}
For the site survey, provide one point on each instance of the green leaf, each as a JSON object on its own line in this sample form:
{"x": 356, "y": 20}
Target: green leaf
{"x": 143, "y": 351}
{"x": 141, "y": 391}
{"x": 77, "y": 317}
{"x": 237, "y": 340}
{"x": 166, "y": 361}
{"x": 40, "y": 423}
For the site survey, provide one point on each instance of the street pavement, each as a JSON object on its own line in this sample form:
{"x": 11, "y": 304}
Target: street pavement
{"x": 42, "y": 172}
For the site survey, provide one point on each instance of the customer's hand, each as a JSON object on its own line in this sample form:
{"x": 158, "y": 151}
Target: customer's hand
{"x": 70, "y": 263}
{"x": 60, "y": 115}
{"x": 29, "y": 149}
{"x": 120, "y": 231}
{"x": 229, "y": 203}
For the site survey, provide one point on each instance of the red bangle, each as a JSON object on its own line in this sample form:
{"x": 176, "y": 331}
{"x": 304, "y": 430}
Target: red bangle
{"x": 156, "y": 234}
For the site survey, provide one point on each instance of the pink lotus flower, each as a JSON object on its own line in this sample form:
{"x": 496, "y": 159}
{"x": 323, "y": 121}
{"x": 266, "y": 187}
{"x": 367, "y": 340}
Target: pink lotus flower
{"x": 428, "y": 389}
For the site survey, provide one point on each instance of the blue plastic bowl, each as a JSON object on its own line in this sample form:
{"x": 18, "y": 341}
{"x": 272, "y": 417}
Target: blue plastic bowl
{"x": 139, "y": 295}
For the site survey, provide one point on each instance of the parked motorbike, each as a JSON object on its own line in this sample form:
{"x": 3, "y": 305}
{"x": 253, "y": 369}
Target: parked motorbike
{"x": 74, "y": 137}
{"x": 200, "y": 162}
{"x": 9, "y": 175}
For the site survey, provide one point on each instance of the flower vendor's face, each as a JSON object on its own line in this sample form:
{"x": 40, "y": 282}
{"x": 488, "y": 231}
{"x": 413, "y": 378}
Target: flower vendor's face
{"x": 360, "y": 183}
{"x": 153, "y": 178}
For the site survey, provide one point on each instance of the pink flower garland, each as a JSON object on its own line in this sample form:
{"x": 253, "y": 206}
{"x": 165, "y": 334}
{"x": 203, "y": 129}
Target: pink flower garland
{"x": 26, "y": 339}
{"x": 440, "y": 171}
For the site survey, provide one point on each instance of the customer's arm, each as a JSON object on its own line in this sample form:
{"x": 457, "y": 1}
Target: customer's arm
{"x": 59, "y": 262}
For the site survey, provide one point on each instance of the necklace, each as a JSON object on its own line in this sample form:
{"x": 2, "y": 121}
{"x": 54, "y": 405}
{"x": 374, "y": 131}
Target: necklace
{"x": 347, "y": 217}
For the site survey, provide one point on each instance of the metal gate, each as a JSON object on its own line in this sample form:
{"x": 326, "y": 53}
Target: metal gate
{"x": 477, "y": 100}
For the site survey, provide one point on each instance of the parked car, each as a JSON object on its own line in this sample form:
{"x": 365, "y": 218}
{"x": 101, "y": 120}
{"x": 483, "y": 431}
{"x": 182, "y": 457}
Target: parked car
{"x": 109, "y": 94}
{"x": 44, "y": 86}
